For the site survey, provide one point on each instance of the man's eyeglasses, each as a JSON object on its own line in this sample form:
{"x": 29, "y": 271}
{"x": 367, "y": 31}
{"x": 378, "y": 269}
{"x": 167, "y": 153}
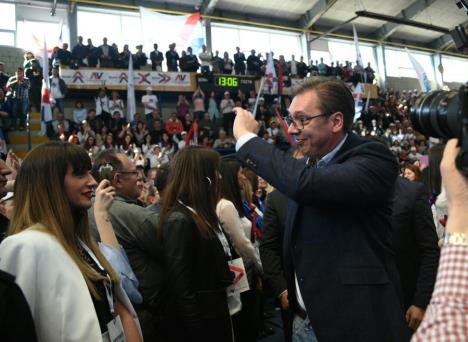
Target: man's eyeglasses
{"x": 300, "y": 122}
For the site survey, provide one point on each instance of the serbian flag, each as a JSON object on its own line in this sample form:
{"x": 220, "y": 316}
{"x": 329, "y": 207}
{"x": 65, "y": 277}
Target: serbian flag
{"x": 280, "y": 82}
{"x": 358, "y": 103}
{"x": 46, "y": 109}
{"x": 192, "y": 136}
{"x": 270, "y": 74}
{"x": 186, "y": 30}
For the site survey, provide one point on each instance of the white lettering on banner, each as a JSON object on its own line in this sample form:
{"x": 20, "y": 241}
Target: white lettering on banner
{"x": 82, "y": 78}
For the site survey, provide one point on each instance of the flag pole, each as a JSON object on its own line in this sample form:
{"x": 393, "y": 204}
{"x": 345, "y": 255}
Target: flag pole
{"x": 260, "y": 91}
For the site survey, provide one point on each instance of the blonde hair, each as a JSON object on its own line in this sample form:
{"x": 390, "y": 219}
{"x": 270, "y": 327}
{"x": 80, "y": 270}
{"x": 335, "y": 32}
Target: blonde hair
{"x": 41, "y": 203}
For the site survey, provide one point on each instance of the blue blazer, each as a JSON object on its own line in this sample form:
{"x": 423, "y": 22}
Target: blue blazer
{"x": 338, "y": 238}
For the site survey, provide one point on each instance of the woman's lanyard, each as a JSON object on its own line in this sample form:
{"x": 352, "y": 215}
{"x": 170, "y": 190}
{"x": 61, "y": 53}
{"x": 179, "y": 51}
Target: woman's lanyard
{"x": 219, "y": 233}
{"x": 107, "y": 286}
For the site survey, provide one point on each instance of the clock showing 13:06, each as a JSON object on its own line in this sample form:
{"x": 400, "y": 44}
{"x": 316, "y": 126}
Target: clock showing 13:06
{"x": 226, "y": 81}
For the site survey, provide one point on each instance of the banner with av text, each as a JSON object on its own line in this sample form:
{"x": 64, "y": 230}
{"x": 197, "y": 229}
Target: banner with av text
{"x": 118, "y": 79}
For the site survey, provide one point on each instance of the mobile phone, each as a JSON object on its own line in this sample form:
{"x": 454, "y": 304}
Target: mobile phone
{"x": 105, "y": 172}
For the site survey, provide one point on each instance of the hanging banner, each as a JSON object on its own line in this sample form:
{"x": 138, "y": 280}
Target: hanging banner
{"x": 185, "y": 30}
{"x": 118, "y": 79}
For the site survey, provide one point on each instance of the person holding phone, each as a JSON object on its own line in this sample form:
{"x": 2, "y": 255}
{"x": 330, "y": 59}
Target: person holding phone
{"x": 72, "y": 290}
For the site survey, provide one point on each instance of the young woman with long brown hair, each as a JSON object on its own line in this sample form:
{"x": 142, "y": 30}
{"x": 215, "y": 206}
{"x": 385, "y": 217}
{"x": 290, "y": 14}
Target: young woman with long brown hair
{"x": 73, "y": 292}
{"x": 196, "y": 250}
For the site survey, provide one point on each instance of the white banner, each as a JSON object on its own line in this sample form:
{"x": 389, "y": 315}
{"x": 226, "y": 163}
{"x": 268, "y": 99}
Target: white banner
{"x": 92, "y": 78}
{"x": 422, "y": 76}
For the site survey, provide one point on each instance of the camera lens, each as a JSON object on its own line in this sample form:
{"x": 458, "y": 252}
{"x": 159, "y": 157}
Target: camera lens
{"x": 437, "y": 114}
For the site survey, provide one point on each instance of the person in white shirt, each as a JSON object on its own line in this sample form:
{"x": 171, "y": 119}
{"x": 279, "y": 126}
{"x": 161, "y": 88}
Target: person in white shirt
{"x": 150, "y": 102}
{"x": 293, "y": 66}
{"x": 205, "y": 59}
{"x": 237, "y": 227}
{"x": 58, "y": 89}
{"x": 227, "y": 109}
{"x": 102, "y": 106}
{"x": 116, "y": 104}
{"x": 157, "y": 157}
{"x": 180, "y": 141}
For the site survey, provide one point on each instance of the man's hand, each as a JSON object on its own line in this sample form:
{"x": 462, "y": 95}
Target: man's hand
{"x": 284, "y": 301}
{"x": 244, "y": 123}
{"x": 14, "y": 164}
{"x": 4, "y": 172}
{"x": 414, "y": 316}
{"x": 456, "y": 189}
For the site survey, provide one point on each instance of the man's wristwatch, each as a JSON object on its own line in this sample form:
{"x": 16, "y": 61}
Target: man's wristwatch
{"x": 456, "y": 239}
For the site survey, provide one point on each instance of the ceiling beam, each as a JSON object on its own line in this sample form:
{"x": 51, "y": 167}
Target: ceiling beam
{"x": 408, "y": 13}
{"x": 445, "y": 40}
{"x": 401, "y": 21}
{"x": 442, "y": 42}
{"x": 208, "y": 6}
{"x": 311, "y": 16}
{"x": 253, "y": 19}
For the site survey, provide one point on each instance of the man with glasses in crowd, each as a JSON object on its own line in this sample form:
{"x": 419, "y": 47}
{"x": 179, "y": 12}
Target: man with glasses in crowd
{"x": 342, "y": 280}
{"x": 136, "y": 230}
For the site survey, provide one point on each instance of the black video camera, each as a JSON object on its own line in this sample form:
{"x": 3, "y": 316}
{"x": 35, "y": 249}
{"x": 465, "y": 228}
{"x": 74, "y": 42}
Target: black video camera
{"x": 444, "y": 114}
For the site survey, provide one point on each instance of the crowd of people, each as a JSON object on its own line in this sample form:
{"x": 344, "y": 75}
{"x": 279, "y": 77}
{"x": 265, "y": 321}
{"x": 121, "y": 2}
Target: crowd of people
{"x": 145, "y": 219}
{"x": 21, "y": 92}
{"x": 242, "y": 63}
{"x": 150, "y": 254}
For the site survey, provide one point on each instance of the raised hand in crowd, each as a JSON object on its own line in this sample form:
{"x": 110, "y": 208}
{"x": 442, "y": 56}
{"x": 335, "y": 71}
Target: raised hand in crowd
{"x": 13, "y": 163}
{"x": 456, "y": 188}
{"x": 446, "y": 315}
{"x": 105, "y": 194}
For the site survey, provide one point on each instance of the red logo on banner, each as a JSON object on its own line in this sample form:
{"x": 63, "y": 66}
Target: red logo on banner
{"x": 96, "y": 75}
{"x": 78, "y": 76}
{"x": 180, "y": 78}
{"x": 164, "y": 78}
{"x": 144, "y": 78}
{"x": 123, "y": 77}
{"x": 238, "y": 271}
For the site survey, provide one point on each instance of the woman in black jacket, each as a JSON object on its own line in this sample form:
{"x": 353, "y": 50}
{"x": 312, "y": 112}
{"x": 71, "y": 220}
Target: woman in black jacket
{"x": 196, "y": 250}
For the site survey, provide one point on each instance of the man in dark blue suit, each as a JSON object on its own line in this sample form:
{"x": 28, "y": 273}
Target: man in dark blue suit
{"x": 339, "y": 265}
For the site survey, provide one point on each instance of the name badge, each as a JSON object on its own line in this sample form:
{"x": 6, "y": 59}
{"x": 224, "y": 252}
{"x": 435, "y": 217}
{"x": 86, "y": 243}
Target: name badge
{"x": 240, "y": 283}
{"x": 115, "y": 329}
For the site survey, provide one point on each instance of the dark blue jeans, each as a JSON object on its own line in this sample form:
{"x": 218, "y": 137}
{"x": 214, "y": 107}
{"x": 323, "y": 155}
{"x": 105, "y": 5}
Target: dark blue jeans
{"x": 19, "y": 110}
{"x": 60, "y": 104}
{"x": 302, "y": 330}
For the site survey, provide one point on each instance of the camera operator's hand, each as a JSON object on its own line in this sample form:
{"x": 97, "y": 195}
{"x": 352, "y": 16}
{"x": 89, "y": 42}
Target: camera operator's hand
{"x": 456, "y": 188}
{"x": 105, "y": 194}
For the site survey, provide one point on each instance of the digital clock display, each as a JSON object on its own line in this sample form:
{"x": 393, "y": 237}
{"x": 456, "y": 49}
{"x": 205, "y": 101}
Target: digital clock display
{"x": 227, "y": 81}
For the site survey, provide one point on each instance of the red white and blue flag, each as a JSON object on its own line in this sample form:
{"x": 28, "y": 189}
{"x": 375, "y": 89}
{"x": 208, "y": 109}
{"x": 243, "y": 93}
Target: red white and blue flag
{"x": 186, "y": 29}
{"x": 46, "y": 109}
{"x": 270, "y": 74}
{"x": 358, "y": 95}
{"x": 192, "y": 136}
